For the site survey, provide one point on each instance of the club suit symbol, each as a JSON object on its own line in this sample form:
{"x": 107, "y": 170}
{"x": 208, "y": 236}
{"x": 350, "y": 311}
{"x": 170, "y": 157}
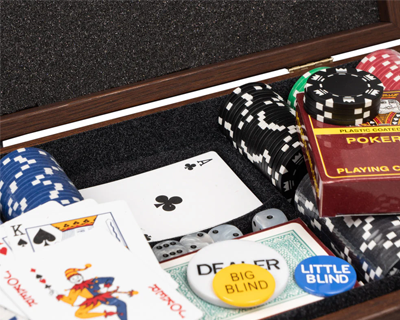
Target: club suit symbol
{"x": 168, "y": 204}
{"x": 189, "y": 166}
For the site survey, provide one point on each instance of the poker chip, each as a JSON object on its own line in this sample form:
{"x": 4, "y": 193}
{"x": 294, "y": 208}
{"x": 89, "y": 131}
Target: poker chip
{"x": 384, "y": 64}
{"x": 299, "y": 88}
{"x": 258, "y": 123}
{"x": 31, "y": 177}
{"x": 371, "y": 244}
{"x": 343, "y": 96}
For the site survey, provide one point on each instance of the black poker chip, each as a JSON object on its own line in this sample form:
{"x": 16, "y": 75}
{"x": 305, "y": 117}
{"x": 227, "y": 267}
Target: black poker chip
{"x": 343, "y": 96}
{"x": 343, "y": 87}
{"x": 370, "y": 243}
{"x": 259, "y": 124}
{"x": 339, "y": 119}
{"x": 339, "y": 116}
{"x": 226, "y": 108}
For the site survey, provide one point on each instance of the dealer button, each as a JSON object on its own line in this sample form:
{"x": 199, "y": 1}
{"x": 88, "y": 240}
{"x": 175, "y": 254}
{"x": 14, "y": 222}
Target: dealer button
{"x": 244, "y": 285}
{"x": 325, "y": 276}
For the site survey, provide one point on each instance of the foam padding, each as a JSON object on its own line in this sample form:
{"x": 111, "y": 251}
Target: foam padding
{"x": 56, "y": 50}
{"x": 139, "y": 145}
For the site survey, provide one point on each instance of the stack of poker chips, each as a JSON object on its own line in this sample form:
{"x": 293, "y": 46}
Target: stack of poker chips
{"x": 31, "y": 177}
{"x": 261, "y": 127}
{"x": 384, "y": 64}
{"x": 371, "y": 244}
{"x": 343, "y": 96}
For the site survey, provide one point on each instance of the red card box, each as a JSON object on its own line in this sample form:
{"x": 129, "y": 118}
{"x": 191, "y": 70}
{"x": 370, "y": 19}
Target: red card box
{"x": 355, "y": 170}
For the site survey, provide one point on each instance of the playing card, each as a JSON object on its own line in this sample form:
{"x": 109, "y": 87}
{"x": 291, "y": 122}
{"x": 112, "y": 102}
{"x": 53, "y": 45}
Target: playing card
{"x": 7, "y": 314}
{"x": 39, "y": 212}
{"x": 38, "y": 230}
{"x": 91, "y": 276}
{"x": 7, "y": 306}
{"x": 181, "y": 198}
{"x": 42, "y": 230}
{"x": 5, "y": 248}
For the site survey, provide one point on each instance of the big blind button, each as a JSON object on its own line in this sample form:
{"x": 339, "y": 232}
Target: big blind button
{"x": 212, "y": 259}
{"x": 244, "y": 285}
{"x": 325, "y": 276}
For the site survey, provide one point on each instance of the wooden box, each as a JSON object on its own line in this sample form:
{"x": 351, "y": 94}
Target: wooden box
{"x": 138, "y": 142}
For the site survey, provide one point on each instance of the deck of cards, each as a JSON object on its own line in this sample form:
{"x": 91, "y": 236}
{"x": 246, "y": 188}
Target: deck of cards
{"x": 86, "y": 260}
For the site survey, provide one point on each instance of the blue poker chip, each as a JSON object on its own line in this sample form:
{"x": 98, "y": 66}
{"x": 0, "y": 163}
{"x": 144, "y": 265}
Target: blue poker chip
{"x": 325, "y": 276}
{"x": 54, "y": 195}
{"x": 28, "y": 164}
{"x": 15, "y": 171}
{"x": 55, "y": 187}
{"x": 31, "y": 177}
{"x": 31, "y": 173}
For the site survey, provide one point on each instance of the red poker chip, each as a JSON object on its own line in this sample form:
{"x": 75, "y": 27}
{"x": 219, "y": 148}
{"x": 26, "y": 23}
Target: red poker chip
{"x": 385, "y": 65}
{"x": 371, "y": 59}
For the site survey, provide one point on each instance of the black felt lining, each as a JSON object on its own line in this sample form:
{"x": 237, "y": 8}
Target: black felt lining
{"x": 150, "y": 142}
{"x": 56, "y": 50}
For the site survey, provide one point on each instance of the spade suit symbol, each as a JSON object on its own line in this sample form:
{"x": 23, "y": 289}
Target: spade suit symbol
{"x": 22, "y": 243}
{"x": 43, "y": 237}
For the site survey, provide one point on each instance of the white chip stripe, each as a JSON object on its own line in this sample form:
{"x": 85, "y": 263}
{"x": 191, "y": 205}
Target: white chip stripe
{"x": 287, "y": 139}
{"x": 387, "y": 244}
{"x": 23, "y": 204}
{"x": 247, "y": 96}
{"x": 13, "y": 187}
{"x": 396, "y": 222}
{"x": 391, "y": 235}
{"x": 19, "y": 174}
{"x": 285, "y": 148}
{"x": 37, "y": 179}
{"x": 54, "y": 194}
{"x": 389, "y": 75}
{"x": 328, "y": 115}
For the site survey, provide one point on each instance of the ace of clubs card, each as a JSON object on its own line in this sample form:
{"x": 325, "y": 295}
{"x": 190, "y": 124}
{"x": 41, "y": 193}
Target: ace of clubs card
{"x": 181, "y": 198}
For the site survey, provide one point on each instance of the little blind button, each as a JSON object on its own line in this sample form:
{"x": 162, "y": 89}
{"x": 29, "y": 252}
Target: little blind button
{"x": 325, "y": 276}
